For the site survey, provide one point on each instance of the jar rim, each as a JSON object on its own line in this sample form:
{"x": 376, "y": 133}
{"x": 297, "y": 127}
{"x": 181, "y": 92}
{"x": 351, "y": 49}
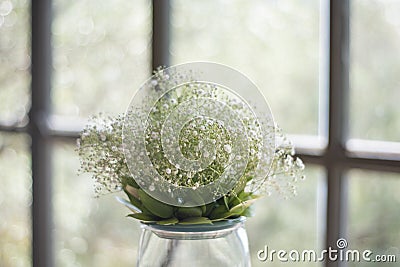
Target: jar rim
{"x": 178, "y": 231}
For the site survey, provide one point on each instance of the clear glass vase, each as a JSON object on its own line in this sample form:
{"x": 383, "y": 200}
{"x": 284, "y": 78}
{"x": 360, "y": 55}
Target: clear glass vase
{"x": 221, "y": 244}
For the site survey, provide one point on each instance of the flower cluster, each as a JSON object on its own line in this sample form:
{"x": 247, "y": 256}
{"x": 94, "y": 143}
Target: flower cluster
{"x": 188, "y": 152}
{"x": 286, "y": 169}
{"x": 101, "y": 153}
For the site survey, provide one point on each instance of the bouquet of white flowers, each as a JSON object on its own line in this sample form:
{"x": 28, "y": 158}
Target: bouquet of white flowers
{"x": 188, "y": 153}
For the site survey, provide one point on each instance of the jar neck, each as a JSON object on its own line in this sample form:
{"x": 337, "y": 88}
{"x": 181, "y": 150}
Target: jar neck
{"x": 195, "y": 232}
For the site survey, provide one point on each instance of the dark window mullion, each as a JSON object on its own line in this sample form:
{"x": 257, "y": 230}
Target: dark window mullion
{"x": 338, "y": 120}
{"x": 42, "y": 241}
{"x": 161, "y": 33}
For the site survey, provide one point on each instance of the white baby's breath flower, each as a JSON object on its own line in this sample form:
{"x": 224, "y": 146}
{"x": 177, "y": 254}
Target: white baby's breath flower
{"x": 228, "y": 148}
{"x": 100, "y": 145}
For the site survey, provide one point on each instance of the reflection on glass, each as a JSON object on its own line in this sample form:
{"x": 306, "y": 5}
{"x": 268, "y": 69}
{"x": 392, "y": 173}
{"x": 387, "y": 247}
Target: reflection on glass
{"x": 15, "y": 201}
{"x": 375, "y": 69}
{"x": 14, "y": 61}
{"x": 374, "y": 214}
{"x": 275, "y": 43}
{"x": 88, "y": 231}
{"x": 101, "y": 54}
{"x": 292, "y": 224}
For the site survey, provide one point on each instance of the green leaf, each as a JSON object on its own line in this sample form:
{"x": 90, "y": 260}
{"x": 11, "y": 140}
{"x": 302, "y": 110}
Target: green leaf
{"x": 221, "y": 201}
{"x": 218, "y": 212}
{"x": 226, "y": 202}
{"x": 209, "y": 208}
{"x": 240, "y": 208}
{"x": 146, "y": 211}
{"x": 203, "y": 209}
{"x": 255, "y": 197}
{"x": 234, "y": 200}
{"x": 143, "y": 217}
{"x": 249, "y": 212}
{"x": 243, "y": 196}
{"x": 222, "y": 217}
{"x": 130, "y": 181}
{"x": 126, "y": 203}
{"x": 156, "y": 207}
{"x": 195, "y": 220}
{"x": 136, "y": 202}
{"x": 169, "y": 221}
{"x": 132, "y": 191}
{"x": 186, "y": 212}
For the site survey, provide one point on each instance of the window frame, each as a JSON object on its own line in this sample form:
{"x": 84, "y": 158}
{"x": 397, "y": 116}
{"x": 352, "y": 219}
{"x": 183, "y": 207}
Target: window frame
{"x": 338, "y": 156}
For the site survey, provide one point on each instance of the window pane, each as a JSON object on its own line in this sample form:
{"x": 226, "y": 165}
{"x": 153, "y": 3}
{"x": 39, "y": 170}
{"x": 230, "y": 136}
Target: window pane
{"x": 89, "y": 231}
{"x": 15, "y": 201}
{"x": 374, "y": 70}
{"x": 374, "y": 213}
{"x": 14, "y": 61}
{"x": 101, "y": 54}
{"x": 275, "y": 43}
{"x": 277, "y": 222}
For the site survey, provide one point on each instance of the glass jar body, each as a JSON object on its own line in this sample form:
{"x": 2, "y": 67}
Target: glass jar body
{"x": 221, "y": 244}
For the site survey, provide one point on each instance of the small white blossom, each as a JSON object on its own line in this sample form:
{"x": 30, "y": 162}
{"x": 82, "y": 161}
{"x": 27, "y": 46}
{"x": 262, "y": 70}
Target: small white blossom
{"x": 228, "y": 148}
{"x": 152, "y": 187}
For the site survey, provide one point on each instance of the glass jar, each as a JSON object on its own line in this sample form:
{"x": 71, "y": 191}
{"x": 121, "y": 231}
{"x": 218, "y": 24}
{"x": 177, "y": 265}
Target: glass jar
{"x": 219, "y": 244}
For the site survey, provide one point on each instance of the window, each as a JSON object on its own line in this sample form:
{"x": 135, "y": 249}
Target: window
{"x": 328, "y": 68}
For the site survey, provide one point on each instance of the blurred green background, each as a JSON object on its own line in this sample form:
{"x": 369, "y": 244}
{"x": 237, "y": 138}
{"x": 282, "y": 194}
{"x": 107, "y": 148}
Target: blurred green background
{"x": 101, "y": 55}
